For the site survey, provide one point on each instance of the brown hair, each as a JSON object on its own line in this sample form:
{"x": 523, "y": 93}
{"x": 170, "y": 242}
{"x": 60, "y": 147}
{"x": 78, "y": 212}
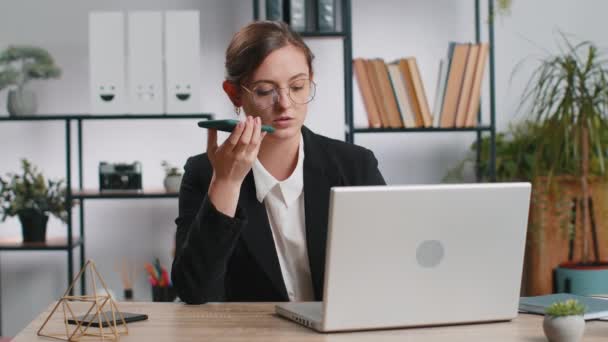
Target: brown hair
{"x": 252, "y": 43}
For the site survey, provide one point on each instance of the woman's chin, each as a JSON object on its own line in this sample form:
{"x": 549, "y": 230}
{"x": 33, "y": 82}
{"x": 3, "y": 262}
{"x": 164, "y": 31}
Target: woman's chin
{"x": 284, "y": 133}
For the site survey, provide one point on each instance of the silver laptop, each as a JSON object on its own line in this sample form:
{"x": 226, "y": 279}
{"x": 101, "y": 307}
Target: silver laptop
{"x": 408, "y": 256}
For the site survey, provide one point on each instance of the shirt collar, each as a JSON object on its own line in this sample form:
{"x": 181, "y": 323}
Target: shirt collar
{"x": 290, "y": 188}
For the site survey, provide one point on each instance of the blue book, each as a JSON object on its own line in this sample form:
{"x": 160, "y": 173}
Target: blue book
{"x": 595, "y": 307}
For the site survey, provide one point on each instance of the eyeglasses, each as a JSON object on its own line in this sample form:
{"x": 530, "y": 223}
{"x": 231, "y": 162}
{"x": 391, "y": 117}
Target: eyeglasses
{"x": 266, "y": 94}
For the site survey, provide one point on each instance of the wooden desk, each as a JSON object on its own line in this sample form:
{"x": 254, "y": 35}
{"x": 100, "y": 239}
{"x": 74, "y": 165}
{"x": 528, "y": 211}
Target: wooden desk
{"x": 257, "y": 322}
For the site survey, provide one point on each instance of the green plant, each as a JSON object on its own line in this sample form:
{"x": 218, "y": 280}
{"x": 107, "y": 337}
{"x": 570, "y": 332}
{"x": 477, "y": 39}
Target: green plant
{"x": 568, "y": 99}
{"x": 171, "y": 170}
{"x": 568, "y": 96}
{"x": 503, "y": 7}
{"x": 20, "y": 64}
{"x": 570, "y": 307}
{"x": 31, "y": 190}
{"x": 516, "y": 155}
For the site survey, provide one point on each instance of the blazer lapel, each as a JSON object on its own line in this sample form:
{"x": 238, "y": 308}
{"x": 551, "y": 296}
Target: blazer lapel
{"x": 317, "y": 184}
{"x": 258, "y": 236}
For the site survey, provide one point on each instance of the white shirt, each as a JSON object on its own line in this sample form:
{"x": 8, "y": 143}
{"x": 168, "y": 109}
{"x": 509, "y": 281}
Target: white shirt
{"x": 284, "y": 201}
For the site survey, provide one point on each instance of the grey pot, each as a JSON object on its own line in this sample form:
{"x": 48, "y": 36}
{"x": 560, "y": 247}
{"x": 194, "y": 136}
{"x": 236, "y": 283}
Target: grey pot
{"x": 564, "y": 329}
{"x": 21, "y": 102}
{"x": 172, "y": 183}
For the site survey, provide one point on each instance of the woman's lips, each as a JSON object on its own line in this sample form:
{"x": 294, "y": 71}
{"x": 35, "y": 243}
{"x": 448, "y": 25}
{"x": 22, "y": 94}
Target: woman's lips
{"x": 282, "y": 122}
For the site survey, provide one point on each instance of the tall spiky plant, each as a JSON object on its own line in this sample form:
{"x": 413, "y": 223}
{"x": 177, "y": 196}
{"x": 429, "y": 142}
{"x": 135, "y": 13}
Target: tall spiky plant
{"x": 568, "y": 97}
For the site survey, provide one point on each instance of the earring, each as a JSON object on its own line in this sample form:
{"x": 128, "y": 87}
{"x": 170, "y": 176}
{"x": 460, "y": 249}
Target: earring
{"x": 237, "y": 110}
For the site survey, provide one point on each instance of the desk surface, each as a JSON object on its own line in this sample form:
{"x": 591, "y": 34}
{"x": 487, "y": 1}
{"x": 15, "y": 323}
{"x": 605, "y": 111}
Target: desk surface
{"x": 257, "y": 322}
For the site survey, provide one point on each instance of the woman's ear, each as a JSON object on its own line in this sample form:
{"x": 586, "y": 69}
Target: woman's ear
{"x": 233, "y": 93}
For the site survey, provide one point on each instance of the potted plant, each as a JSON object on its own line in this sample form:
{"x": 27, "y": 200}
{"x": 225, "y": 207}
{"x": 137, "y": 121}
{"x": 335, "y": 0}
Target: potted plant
{"x": 564, "y": 321}
{"x": 31, "y": 197}
{"x": 173, "y": 177}
{"x": 568, "y": 96}
{"x": 19, "y": 65}
{"x": 561, "y": 149}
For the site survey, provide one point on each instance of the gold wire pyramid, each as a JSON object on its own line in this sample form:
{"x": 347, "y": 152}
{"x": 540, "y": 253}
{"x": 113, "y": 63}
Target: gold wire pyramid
{"x": 94, "y": 314}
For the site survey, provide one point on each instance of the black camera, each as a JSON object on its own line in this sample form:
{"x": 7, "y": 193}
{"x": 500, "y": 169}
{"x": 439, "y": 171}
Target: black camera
{"x": 120, "y": 176}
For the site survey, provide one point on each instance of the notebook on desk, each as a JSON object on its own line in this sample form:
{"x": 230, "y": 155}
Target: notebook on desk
{"x": 596, "y": 307}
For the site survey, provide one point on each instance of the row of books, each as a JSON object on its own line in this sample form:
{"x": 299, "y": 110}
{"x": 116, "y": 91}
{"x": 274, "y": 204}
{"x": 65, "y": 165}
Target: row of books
{"x": 394, "y": 97}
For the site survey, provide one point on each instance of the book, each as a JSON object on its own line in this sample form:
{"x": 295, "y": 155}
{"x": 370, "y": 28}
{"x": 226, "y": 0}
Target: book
{"x": 367, "y": 94}
{"x": 427, "y": 119}
{"x": 296, "y": 11}
{"x": 361, "y": 118}
{"x": 274, "y": 10}
{"x": 406, "y": 73}
{"x": 467, "y": 83}
{"x": 473, "y": 109}
{"x": 388, "y": 94}
{"x": 454, "y": 85}
{"x": 326, "y": 18}
{"x": 403, "y": 101}
{"x": 373, "y": 78}
{"x": 440, "y": 91}
{"x": 595, "y": 307}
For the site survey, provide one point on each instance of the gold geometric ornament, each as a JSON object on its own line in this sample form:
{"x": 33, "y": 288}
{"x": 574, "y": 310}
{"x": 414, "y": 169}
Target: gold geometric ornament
{"x": 91, "y": 307}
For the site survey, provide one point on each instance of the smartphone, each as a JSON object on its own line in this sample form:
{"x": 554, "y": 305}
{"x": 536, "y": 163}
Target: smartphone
{"x": 129, "y": 317}
{"x": 228, "y": 125}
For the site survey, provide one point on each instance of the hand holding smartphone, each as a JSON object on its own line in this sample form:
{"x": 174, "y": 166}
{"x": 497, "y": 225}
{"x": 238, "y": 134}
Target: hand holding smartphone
{"x": 227, "y": 125}
{"x": 232, "y": 160}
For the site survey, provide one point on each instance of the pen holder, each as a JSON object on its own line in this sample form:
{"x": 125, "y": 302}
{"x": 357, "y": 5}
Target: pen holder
{"x": 163, "y": 294}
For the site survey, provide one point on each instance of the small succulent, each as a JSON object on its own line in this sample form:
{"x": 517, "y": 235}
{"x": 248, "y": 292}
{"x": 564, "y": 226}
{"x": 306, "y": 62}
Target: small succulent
{"x": 171, "y": 170}
{"x": 570, "y": 307}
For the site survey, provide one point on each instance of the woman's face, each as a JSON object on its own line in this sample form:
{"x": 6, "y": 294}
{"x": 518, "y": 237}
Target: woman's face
{"x": 279, "y": 90}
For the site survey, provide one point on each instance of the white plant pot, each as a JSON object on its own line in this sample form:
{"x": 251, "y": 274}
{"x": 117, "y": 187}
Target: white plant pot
{"x": 564, "y": 329}
{"x": 21, "y": 101}
{"x": 172, "y": 183}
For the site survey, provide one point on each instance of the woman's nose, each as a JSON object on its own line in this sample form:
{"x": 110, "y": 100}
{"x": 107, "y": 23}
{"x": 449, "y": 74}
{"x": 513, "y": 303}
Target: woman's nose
{"x": 282, "y": 98}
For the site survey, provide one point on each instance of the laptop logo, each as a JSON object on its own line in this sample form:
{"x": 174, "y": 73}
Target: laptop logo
{"x": 429, "y": 253}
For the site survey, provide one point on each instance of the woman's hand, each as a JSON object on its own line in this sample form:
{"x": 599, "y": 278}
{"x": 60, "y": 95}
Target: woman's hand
{"x": 231, "y": 162}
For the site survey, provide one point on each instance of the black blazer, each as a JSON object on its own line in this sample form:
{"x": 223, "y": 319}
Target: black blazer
{"x": 219, "y": 258}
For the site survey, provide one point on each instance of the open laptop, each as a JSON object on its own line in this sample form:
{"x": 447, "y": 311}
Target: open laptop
{"x": 408, "y": 256}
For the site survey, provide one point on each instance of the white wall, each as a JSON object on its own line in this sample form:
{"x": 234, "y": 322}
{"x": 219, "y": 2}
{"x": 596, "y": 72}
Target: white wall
{"x": 142, "y": 229}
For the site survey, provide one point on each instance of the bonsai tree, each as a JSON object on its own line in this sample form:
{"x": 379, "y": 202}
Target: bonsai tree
{"x": 170, "y": 170}
{"x": 31, "y": 192}
{"x": 20, "y": 64}
{"x": 173, "y": 177}
{"x": 568, "y": 97}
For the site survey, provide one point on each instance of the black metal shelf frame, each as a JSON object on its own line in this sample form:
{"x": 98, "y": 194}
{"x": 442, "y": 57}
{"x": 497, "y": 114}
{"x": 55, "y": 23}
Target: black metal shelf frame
{"x": 349, "y": 130}
{"x": 79, "y": 196}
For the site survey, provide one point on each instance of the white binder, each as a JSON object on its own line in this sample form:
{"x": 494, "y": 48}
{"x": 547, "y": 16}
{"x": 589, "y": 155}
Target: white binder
{"x": 107, "y": 63}
{"x": 145, "y": 61}
{"x": 182, "y": 62}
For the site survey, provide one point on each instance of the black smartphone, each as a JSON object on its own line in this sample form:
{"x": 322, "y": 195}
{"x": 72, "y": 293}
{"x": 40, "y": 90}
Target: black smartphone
{"x": 227, "y": 125}
{"x": 128, "y": 316}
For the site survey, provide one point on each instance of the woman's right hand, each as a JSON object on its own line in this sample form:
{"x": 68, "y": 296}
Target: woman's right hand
{"x": 231, "y": 162}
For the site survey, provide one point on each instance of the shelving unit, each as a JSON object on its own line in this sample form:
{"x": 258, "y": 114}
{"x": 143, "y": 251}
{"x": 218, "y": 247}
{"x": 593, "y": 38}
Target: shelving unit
{"x": 78, "y": 196}
{"x": 93, "y": 194}
{"x": 350, "y": 131}
{"x": 52, "y": 244}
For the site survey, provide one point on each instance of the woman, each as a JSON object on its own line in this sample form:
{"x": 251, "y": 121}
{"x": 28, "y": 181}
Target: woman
{"x": 252, "y": 221}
